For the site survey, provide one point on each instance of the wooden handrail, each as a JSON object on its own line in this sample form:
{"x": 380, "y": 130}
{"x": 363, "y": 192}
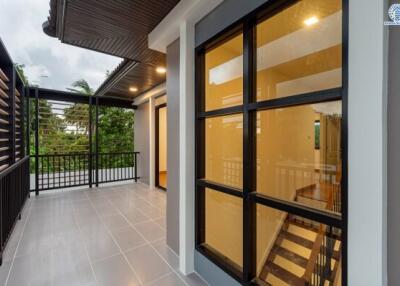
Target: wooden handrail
{"x": 314, "y": 255}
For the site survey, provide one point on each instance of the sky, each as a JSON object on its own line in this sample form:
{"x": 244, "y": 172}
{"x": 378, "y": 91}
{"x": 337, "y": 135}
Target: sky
{"x": 48, "y": 62}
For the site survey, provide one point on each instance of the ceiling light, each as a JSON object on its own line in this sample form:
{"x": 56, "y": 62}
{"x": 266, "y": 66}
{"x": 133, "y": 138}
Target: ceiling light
{"x": 311, "y": 21}
{"x": 161, "y": 70}
{"x": 133, "y": 89}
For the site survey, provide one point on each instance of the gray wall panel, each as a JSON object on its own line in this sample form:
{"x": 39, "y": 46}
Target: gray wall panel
{"x": 142, "y": 141}
{"x": 211, "y": 272}
{"x": 173, "y": 146}
{"x": 224, "y": 15}
{"x": 394, "y": 157}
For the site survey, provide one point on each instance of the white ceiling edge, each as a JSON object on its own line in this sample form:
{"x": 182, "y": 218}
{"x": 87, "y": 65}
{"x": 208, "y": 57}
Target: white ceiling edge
{"x": 156, "y": 91}
{"x": 167, "y": 30}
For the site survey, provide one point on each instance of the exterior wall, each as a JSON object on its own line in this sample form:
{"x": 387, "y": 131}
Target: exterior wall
{"x": 173, "y": 146}
{"x": 224, "y": 15}
{"x": 394, "y": 157}
{"x": 142, "y": 141}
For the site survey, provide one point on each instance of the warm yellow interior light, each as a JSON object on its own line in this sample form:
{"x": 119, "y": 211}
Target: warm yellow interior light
{"x": 311, "y": 21}
{"x": 161, "y": 70}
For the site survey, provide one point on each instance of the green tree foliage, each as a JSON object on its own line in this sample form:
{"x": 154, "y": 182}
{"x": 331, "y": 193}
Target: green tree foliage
{"x": 69, "y": 132}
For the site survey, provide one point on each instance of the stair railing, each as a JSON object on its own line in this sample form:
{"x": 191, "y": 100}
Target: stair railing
{"x": 319, "y": 266}
{"x": 312, "y": 269}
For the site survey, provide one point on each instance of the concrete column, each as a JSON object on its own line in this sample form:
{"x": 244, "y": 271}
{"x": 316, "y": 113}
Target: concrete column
{"x": 186, "y": 148}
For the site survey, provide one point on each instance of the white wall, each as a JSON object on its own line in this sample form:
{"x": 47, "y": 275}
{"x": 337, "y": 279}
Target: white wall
{"x": 367, "y": 144}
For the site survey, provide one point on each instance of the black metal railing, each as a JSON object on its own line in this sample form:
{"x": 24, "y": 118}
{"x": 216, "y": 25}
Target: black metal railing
{"x": 55, "y": 171}
{"x": 114, "y": 167}
{"x": 14, "y": 190}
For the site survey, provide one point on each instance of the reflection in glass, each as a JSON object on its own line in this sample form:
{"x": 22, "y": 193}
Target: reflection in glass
{"x": 299, "y": 50}
{"x": 292, "y": 250}
{"x": 224, "y": 74}
{"x": 224, "y": 150}
{"x": 289, "y": 166}
{"x": 224, "y": 224}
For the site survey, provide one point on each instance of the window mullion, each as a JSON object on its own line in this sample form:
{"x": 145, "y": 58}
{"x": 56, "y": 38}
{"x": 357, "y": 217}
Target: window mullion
{"x": 249, "y": 144}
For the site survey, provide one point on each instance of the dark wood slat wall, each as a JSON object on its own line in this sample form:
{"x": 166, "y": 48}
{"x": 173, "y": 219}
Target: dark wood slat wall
{"x": 119, "y": 28}
{"x": 11, "y": 112}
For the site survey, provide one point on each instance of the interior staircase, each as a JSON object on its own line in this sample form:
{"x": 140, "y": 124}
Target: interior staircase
{"x": 304, "y": 253}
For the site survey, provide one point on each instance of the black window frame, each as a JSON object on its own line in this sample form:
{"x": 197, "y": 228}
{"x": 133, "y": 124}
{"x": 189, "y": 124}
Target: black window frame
{"x": 247, "y": 25}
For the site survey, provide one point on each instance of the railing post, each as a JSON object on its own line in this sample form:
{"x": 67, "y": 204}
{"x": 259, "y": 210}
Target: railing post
{"x": 135, "y": 156}
{"x": 28, "y": 134}
{"x": 90, "y": 142}
{"x": 97, "y": 141}
{"x": 36, "y": 141}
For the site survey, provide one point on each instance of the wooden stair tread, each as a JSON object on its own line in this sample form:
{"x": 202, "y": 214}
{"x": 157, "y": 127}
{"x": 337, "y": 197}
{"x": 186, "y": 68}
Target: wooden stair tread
{"x": 303, "y": 225}
{"x": 289, "y": 255}
{"x": 296, "y": 239}
{"x": 283, "y": 274}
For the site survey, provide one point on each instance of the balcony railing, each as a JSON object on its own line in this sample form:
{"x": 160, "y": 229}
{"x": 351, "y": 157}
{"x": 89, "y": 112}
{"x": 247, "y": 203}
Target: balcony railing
{"x": 55, "y": 171}
{"x": 14, "y": 190}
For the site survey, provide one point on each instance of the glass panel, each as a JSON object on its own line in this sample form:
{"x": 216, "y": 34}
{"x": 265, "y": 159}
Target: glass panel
{"x": 224, "y": 224}
{"x": 299, "y": 50}
{"x": 224, "y": 74}
{"x": 289, "y": 166}
{"x": 224, "y": 150}
{"x": 292, "y": 250}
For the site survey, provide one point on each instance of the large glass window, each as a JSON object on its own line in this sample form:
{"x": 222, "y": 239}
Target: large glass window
{"x": 224, "y": 74}
{"x": 289, "y": 167}
{"x": 300, "y": 50}
{"x": 292, "y": 250}
{"x": 224, "y": 150}
{"x": 270, "y": 172}
{"x": 224, "y": 224}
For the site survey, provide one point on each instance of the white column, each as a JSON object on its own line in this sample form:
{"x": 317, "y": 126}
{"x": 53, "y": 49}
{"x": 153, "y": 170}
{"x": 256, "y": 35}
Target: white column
{"x": 152, "y": 136}
{"x": 367, "y": 120}
{"x": 186, "y": 149}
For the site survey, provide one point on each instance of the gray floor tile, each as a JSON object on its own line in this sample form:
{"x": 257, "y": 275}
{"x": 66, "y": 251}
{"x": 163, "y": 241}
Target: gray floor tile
{"x": 63, "y": 229}
{"x": 169, "y": 280}
{"x": 135, "y": 216}
{"x": 128, "y": 238}
{"x": 166, "y": 253}
{"x": 32, "y": 270}
{"x": 4, "y": 270}
{"x": 150, "y": 230}
{"x": 115, "y": 221}
{"x": 101, "y": 247}
{"x": 147, "y": 264}
{"x": 114, "y": 271}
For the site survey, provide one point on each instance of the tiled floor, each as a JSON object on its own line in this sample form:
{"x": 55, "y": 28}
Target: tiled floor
{"x": 110, "y": 236}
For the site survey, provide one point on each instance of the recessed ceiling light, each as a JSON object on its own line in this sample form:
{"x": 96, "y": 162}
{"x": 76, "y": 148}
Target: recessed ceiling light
{"x": 133, "y": 89}
{"x": 311, "y": 21}
{"x": 161, "y": 70}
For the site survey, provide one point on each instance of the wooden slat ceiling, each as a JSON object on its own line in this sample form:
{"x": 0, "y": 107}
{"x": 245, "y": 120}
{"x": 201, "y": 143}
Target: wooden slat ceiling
{"x": 119, "y": 28}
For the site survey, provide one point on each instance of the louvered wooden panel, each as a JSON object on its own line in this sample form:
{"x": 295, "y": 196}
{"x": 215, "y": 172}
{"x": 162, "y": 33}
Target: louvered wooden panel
{"x": 5, "y": 123}
{"x": 19, "y": 152}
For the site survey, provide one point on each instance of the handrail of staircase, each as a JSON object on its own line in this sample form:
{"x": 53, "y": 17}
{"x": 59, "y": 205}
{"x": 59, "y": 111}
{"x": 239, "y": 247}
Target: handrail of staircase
{"x": 312, "y": 261}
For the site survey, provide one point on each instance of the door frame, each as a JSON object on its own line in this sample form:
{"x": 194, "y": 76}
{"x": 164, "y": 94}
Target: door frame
{"x": 157, "y": 145}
